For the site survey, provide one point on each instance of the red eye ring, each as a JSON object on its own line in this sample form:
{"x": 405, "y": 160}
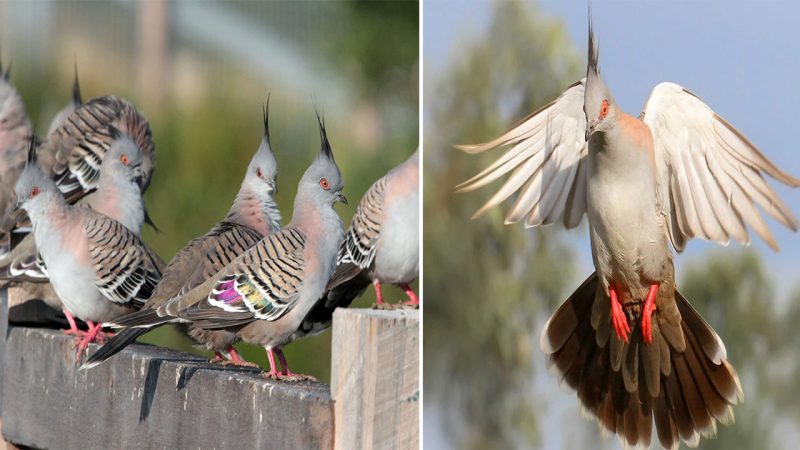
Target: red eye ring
{"x": 124, "y": 159}
{"x": 34, "y": 191}
{"x": 258, "y": 172}
{"x": 324, "y": 184}
{"x": 604, "y": 109}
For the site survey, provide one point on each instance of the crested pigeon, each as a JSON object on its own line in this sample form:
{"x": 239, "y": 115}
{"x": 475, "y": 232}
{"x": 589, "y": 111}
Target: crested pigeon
{"x": 253, "y": 215}
{"x": 381, "y": 246}
{"x": 15, "y": 128}
{"x": 626, "y": 340}
{"x": 99, "y": 268}
{"x": 118, "y": 196}
{"x": 264, "y": 294}
{"x": 74, "y": 152}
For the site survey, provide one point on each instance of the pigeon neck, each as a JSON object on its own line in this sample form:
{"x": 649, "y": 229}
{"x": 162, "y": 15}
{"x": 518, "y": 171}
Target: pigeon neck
{"x": 120, "y": 200}
{"x": 260, "y": 213}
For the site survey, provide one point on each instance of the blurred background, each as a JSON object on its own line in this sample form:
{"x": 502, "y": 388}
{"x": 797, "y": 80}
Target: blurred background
{"x": 200, "y": 71}
{"x": 488, "y": 64}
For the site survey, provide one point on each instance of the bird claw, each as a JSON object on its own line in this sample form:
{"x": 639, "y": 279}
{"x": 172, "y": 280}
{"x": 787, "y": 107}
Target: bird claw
{"x": 618, "y": 318}
{"x": 647, "y": 314}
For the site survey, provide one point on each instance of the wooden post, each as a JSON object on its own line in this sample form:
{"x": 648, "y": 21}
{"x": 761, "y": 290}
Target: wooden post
{"x": 375, "y": 379}
{"x": 151, "y": 398}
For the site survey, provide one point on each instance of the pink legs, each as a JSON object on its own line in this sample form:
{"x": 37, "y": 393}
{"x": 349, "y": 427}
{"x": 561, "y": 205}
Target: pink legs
{"x": 378, "y": 293}
{"x": 647, "y": 314}
{"x": 231, "y": 357}
{"x": 620, "y": 321}
{"x": 73, "y": 326}
{"x": 285, "y": 373}
{"x": 618, "y": 318}
{"x": 413, "y": 299}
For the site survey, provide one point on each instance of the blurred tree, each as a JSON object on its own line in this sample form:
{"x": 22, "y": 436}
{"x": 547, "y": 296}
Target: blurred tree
{"x": 734, "y": 294}
{"x": 498, "y": 300}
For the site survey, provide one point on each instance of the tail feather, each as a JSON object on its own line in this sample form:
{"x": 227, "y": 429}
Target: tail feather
{"x": 682, "y": 382}
{"x": 114, "y": 346}
{"x": 145, "y": 318}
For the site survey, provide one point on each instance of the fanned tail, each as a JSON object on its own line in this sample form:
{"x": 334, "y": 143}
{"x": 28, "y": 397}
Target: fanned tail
{"x": 682, "y": 381}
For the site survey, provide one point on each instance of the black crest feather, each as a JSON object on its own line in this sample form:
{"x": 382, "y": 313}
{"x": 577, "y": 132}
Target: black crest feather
{"x": 76, "y": 87}
{"x": 266, "y": 120}
{"x": 114, "y": 132}
{"x": 323, "y": 136}
{"x": 594, "y": 51}
{"x": 32, "y": 145}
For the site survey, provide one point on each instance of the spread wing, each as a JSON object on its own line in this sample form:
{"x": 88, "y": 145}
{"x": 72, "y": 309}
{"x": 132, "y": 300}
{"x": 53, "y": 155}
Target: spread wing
{"x": 547, "y": 162}
{"x": 126, "y": 270}
{"x": 262, "y": 284}
{"x": 710, "y": 176}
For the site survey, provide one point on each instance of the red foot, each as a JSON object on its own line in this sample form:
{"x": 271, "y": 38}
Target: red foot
{"x": 413, "y": 299}
{"x": 94, "y": 334}
{"x": 218, "y": 358}
{"x": 378, "y": 293}
{"x": 647, "y": 314}
{"x": 288, "y": 373}
{"x": 73, "y": 326}
{"x": 235, "y": 359}
{"x": 618, "y": 317}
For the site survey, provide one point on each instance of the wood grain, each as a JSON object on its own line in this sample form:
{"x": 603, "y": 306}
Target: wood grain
{"x": 375, "y": 379}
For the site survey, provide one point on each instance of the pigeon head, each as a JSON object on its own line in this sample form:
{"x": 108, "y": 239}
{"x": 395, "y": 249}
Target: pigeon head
{"x": 598, "y": 103}
{"x": 322, "y": 182}
{"x": 262, "y": 173}
{"x": 12, "y": 110}
{"x": 33, "y": 187}
{"x": 124, "y": 158}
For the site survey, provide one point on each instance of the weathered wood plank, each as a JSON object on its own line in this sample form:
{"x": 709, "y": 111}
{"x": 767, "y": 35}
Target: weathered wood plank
{"x": 3, "y": 332}
{"x": 375, "y": 379}
{"x": 151, "y": 397}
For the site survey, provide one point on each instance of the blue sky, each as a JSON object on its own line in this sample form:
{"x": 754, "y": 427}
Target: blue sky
{"x": 742, "y": 58}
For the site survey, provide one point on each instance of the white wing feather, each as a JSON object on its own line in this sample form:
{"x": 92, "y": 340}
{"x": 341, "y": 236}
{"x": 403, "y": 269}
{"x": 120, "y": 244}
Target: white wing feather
{"x": 710, "y": 176}
{"x": 545, "y": 158}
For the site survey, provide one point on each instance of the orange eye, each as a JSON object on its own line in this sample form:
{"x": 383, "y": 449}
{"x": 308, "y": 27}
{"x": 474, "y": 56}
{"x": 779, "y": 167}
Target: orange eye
{"x": 324, "y": 184}
{"x": 34, "y": 191}
{"x": 604, "y": 109}
{"x": 124, "y": 159}
{"x": 258, "y": 172}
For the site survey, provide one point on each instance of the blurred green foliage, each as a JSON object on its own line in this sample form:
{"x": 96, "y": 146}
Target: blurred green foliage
{"x": 490, "y": 287}
{"x": 491, "y": 282}
{"x": 205, "y": 140}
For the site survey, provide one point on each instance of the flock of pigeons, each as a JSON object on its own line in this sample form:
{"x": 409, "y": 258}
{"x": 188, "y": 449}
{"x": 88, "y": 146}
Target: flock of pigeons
{"x": 76, "y": 197}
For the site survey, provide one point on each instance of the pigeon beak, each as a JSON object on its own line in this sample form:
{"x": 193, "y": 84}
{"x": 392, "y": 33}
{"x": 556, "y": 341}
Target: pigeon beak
{"x": 340, "y": 197}
{"x": 138, "y": 174}
{"x": 273, "y": 188}
{"x": 16, "y": 207}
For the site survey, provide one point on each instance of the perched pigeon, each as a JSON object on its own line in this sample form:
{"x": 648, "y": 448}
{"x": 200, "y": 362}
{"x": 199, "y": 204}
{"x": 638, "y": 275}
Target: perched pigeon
{"x": 74, "y": 152}
{"x": 253, "y": 215}
{"x": 381, "y": 246}
{"x": 98, "y": 267}
{"x": 118, "y": 196}
{"x": 627, "y": 341}
{"x": 264, "y": 294}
